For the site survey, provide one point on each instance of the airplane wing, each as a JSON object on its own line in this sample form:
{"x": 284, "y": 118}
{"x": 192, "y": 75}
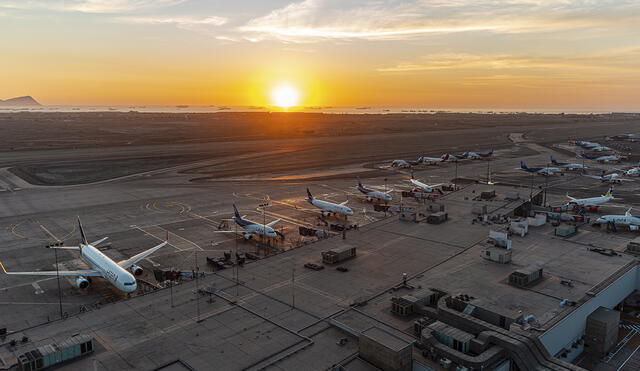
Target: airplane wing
{"x": 96, "y": 243}
{"x": 273, "y": 223}
{"x": 593, "y": 176}
{"x": 136, "y": 258}
{"x": 571, "y": 198}
{"x": 344, "y": 203}
{"x": 86, "y": 273}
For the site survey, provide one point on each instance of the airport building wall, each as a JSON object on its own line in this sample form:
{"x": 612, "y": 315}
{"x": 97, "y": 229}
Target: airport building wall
{"x": 563, "y": 334}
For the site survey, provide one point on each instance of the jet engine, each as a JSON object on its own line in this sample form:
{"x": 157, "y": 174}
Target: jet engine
{"x": 325, "y": 213}
{"x": 82, "y": 282}
{"x": 136, "y": 270}
{"x": 633, "y": 227}
{"x": 248, "y": 236}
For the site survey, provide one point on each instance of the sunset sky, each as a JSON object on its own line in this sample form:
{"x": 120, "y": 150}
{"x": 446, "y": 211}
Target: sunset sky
{"x": 525, "y": 54}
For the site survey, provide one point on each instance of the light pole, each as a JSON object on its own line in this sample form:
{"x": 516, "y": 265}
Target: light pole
{"x": 195, "y": 254}
{"x": 455, "y": 177}
{"x": 55, "y": 252}
{"x": 293, "y": 287}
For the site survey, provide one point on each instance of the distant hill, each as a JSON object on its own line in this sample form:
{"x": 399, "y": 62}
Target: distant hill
{"x": 19, "y": 101}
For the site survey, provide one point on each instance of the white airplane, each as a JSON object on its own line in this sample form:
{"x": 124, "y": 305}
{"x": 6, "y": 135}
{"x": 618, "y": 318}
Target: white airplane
{"x": 602, "y": 159}
{"x": 610, "y": 178}
{"x": 600, "y": 148}
{"x": 250, "y": 228}
{"x": 632, "y": 172}
{"x": 633, "y": 222}
{"x": 584, "y": 144}
{"x": 434, "y": 160}
{"x": 477, "y": 155}
{"x": 592, "y": 202}
{"x": 424, "y": 187}
{"x": 406, "y": 163}
{"x": 372, "y": 193}
{"x": 101, "y": 266}
{"x": 326, "y": 207}
{"x": 568, "y": 165}
{"x": 546, "y": 171}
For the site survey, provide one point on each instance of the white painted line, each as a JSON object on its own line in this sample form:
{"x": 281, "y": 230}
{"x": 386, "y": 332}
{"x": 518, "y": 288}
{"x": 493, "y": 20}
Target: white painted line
{"x": 627, "y": 360}
{"x": 38, "y": 289}
{"x": 152, "y": 262}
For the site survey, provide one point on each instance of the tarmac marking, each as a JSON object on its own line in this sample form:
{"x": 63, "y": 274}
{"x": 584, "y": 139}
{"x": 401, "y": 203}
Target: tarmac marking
{"x": 27, "y": 284}
{"x": 156, "y": 237}
{"x": 164, "y": 232}
{"x": 45, "y": 230}
{"x": 34, "y": 303}
{"x": 152, "y": 262}
{"x": 37, "y": 287}
{"x": 288, "y": 219}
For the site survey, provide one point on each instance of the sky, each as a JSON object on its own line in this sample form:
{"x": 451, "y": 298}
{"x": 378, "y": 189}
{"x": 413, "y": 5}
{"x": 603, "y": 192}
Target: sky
{"x": 510, "y": 54}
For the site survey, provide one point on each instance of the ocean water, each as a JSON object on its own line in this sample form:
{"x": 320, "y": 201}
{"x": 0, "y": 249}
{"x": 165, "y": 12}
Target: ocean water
{"x": 328, "y": 110}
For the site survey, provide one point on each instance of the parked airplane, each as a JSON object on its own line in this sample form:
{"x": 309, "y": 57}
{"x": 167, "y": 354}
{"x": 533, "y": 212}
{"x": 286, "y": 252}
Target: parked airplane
{"x": 406, "y": 163}
{"x": 424, "y": 187}
{"x": 479, "y": 156}
{"x": 633, "y": 172}
{"x": 602, "y": 159}
{"x": 568, "y": 165}
{"x": 371, "y": 193}
{"x": 609, "y": 178}
{"x": 461, "y": 156}
{"x": 250, "y": 228}
{"x": 633, "y": 222}
{"x": 326, "y": 207}
{"x": 434, "y": 160}
{"x": 592, "y": 202}
{"x": 546, "y": 171}
{"x": 584, "y": 144}
{"x": 101, "y": 265}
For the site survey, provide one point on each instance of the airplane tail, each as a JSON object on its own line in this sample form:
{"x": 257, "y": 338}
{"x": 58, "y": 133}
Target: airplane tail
{"x": 553, "y": 161}
{"x": 628, "y": 213}
{"x": 235, "y": 211}
{"x": 84, "y": 237}
{"x": 359, "y": 183}
{"x": 309, "y": 194}
{"x": 445, "y": 157}
{"x": 609, "y": 192}
{"x": 523, "y": 165}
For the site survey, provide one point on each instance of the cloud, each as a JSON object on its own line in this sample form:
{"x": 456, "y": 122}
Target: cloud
{"x": 89, "y": 6}
{"x": 620, "y": 61}
{"x": 314, "y": 20}
{"x": 184, "y": 22}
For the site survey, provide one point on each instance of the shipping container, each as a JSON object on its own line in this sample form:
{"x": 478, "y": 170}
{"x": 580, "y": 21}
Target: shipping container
{"x": 339, "y": 254}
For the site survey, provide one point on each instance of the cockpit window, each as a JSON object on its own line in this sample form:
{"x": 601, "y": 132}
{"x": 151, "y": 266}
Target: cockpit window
{"x": 129, "y": 283}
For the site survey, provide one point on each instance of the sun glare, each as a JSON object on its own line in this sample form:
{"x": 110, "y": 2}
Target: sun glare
{"x": 285, "y": 96}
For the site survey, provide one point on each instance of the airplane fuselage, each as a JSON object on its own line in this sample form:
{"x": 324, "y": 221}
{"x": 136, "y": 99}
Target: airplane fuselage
{"x": 371, "y": 194}
{"x": 422, "y": 186}
{"x": 255, "y": 228}
{"x": 110, "y": 270}
{"x": 591, "y": 201}
{"x": 331, "y": 207}
{"x": 629, "y": 220}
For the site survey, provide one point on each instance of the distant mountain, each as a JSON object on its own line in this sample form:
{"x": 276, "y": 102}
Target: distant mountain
{"x": 19, "y": 101}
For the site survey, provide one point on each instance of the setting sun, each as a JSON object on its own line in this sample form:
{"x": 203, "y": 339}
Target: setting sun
{"x": 285, "y": 96}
